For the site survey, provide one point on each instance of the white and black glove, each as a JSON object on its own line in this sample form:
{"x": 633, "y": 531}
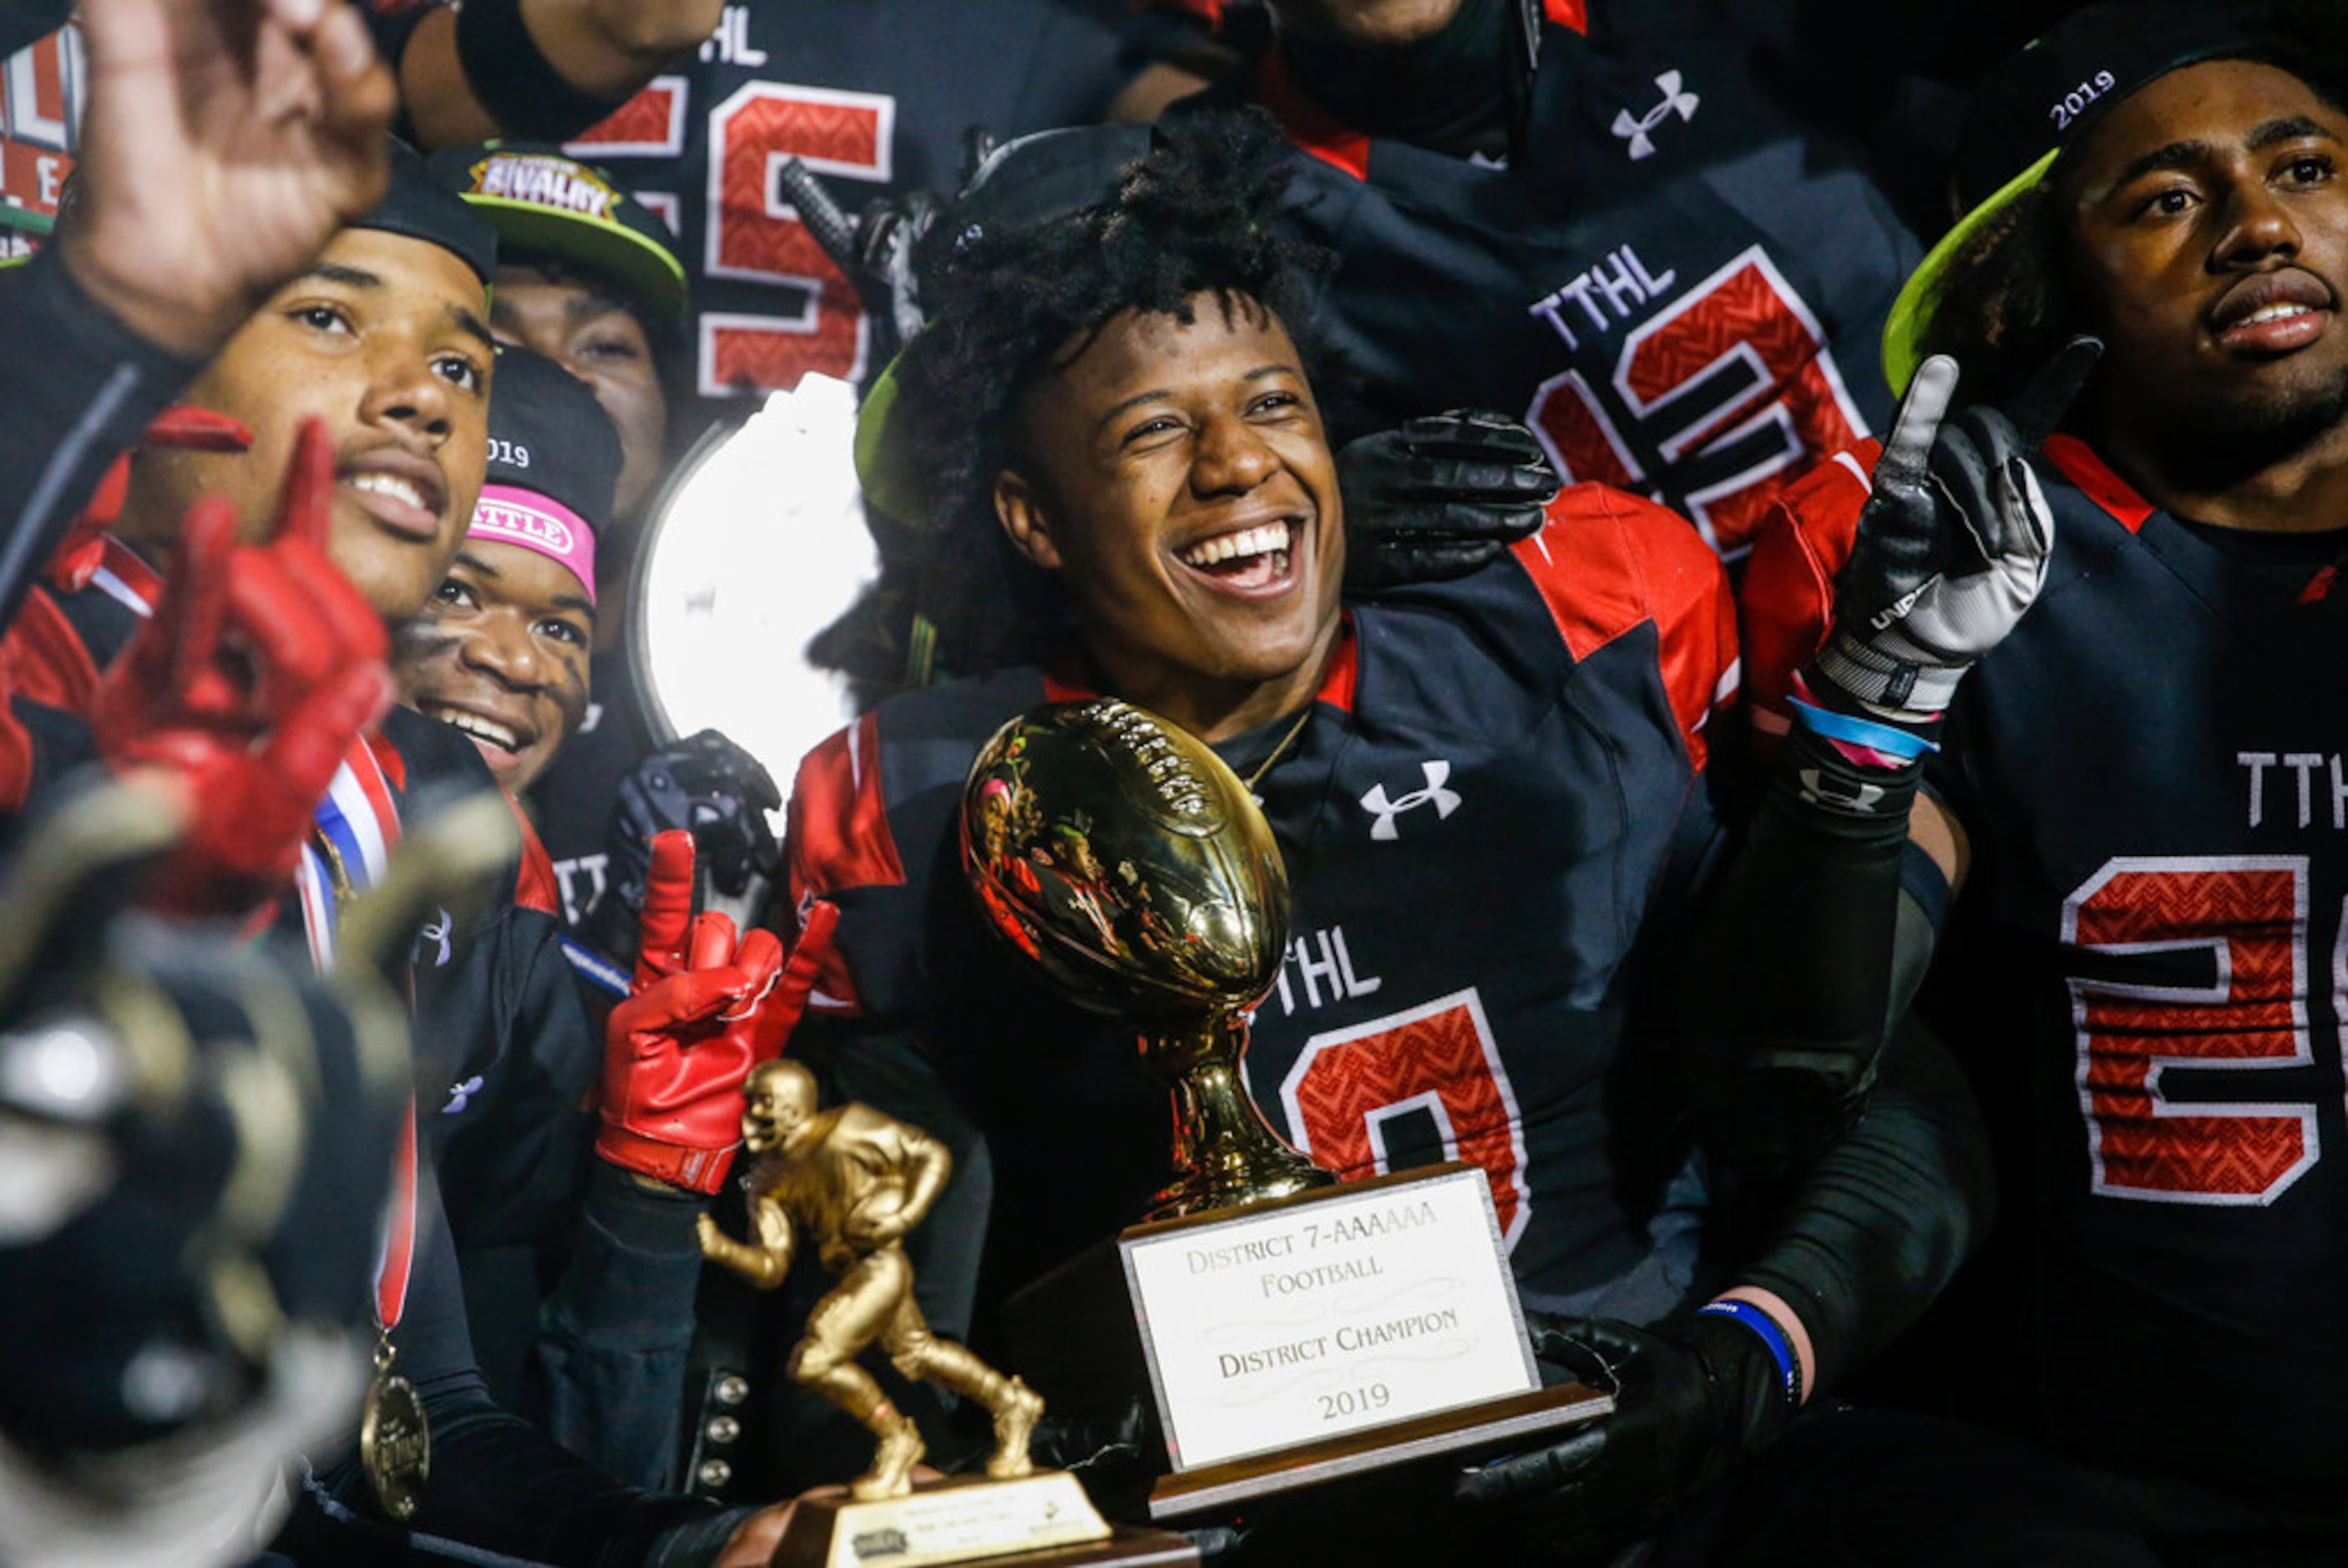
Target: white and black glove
{"x": 1952, "y": 545}
{"x": 1440, "y": 497}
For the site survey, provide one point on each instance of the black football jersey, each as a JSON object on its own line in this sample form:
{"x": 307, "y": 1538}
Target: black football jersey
{"x": 1493, "y": 785}
{"x": 876, "y": 97}
{"x": 1680, "y": 283}
{"x": 2153, "y": 770}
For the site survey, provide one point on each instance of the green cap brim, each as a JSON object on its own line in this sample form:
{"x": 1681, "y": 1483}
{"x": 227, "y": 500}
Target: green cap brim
{"x": 889, "y": 483}
{"x": 26, "y": 221}
{"x": 638, "y": 264}
{"x": 1919, "y": 297}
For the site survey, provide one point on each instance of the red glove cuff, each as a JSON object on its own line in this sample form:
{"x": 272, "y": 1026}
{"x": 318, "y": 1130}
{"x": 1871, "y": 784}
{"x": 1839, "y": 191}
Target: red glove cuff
{"x": 701, "y": 1170}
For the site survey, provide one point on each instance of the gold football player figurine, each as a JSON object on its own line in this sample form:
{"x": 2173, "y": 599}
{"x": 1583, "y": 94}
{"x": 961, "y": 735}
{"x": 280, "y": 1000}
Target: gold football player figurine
{"x": 854, "y": 1182}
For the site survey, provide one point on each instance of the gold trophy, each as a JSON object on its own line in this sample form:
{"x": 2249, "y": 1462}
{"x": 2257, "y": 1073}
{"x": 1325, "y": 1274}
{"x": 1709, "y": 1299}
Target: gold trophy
{"x": 1294, "y": 1330}
{"x": 852, "y": 1182}
{"x": 1150, "y": 888}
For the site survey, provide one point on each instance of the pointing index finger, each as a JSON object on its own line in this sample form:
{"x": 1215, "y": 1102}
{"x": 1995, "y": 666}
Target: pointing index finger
{"x": 1907, "y": 451}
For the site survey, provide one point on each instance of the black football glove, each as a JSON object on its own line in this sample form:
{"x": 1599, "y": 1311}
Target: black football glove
{"x": 1440, "y": 497}
{"x": 1691, "y": 1394}
{"x": 1952, "y": 545}
{"x": 708, "y": 787}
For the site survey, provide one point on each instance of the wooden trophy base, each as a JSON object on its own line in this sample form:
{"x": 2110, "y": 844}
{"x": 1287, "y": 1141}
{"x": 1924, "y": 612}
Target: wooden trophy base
{"x": 1212, "y": 1488}
{"x": 1043, "y": 1520}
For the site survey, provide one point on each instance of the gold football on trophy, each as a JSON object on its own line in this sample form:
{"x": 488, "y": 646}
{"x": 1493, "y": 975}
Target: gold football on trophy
{"x": 1132, "y": 867}
{"x": 1125, "y": 859}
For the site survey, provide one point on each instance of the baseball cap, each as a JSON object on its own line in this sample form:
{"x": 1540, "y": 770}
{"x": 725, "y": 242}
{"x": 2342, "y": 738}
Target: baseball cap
{"x": 415, "y": 205}
{"x": 2040, "y": 103}
{"x": 1028, "y": 181}
{"x": 540, "y": 199}
{"x": 554, "y": 461}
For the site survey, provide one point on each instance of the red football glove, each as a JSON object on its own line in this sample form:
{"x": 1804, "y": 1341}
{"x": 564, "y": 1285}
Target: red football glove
{"x": 259, "y": 668}
{"x": 704, "y": 1011}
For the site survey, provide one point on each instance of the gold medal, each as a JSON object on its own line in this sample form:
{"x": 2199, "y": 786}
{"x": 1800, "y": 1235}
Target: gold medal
{"x": 394, "y": 1442}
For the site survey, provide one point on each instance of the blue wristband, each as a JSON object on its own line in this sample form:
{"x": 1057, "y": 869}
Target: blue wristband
{"x": 1781, "y": 1349}
{"x": 596, "y": 969}
{"x": 1883, "y": 738}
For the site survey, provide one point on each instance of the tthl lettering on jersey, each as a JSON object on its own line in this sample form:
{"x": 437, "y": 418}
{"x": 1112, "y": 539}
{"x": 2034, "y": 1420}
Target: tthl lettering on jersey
{"x": 2321, "y": 793}
{"x": 1324, "y": 971}
{"x": 1732, "y": 380}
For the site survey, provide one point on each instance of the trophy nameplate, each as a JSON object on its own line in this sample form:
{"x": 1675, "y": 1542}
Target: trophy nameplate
{"x": 1307, "y": 1319}
{"x": 1293, "y": 1330}
{"x": 962, "y": 1520}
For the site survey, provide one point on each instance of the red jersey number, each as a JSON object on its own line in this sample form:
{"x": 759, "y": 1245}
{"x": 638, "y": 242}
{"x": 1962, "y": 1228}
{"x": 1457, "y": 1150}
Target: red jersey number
{"x": 2241, "y": 926}
{"x": 1438, "y": 1058}
{"x": 1742, "y": 337}
{"x": 756, "y": 236}
{"x": 753, "y": 235}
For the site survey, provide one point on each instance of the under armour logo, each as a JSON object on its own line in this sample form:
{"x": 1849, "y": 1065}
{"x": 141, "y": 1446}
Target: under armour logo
{"x": 1819, "y": 789}
{"x": 435, "y": 936}
{"x": 1376, "y": 804}
{"x": 1675, "y": 101}
{"x": 460, "y": 1095}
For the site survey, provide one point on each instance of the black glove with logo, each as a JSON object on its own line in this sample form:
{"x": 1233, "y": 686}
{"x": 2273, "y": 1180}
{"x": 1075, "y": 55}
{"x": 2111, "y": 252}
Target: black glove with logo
{"x": 1691, "y": 1394}
{"x": 1440, "y": 497}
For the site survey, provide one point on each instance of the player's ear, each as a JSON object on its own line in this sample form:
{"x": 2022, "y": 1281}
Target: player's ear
{"x": 1021, "y": 511}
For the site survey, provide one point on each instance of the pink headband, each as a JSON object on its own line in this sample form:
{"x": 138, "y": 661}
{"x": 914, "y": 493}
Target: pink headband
{"x": 510, "y": 515}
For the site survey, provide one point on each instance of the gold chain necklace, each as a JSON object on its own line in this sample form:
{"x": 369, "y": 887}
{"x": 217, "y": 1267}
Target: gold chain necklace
{"x": 1264, "y": 767}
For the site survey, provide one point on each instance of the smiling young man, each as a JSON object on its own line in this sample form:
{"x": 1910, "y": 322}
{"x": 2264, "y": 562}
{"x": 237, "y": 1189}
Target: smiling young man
{"x": 383, "y": 350}
{"x": 2143, "y": 778}
{"x": 500, "y": 651}
{"x": 1490, "y": 794}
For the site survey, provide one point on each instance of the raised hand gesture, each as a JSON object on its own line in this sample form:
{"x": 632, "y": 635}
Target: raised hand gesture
{"x": 225, "y": 142}
{"x": 1953, "y": 545}
{"x": 707, "y": 1006}
{"x": 259, "y": 668}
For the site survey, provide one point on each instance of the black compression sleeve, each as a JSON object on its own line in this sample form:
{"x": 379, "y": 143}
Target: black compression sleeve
{"x": 1882, "y": 1218}
{"x": 1796, "y": 960}
{"x": 514, "y": 80}
{"x": 618, "y": 1330}
{"x": 97, "y": 386}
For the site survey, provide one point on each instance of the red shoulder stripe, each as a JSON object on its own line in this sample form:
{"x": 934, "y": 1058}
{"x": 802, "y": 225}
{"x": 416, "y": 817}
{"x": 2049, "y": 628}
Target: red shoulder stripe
{"x": 1607, "y": 561}
{"x": 840, "y": 839}
{"x": 2078, "y": 463}
{"x": 1314, "y": 130}
{"x": 1788, "y": 595}
{"x": 387, "y": 757}
{"x": 534, "y": 887}
{"x": 1573, "y": 14}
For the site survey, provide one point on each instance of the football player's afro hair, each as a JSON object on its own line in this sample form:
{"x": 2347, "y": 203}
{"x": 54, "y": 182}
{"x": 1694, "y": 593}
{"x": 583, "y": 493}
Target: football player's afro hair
{"x": 1197, "y": 215}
